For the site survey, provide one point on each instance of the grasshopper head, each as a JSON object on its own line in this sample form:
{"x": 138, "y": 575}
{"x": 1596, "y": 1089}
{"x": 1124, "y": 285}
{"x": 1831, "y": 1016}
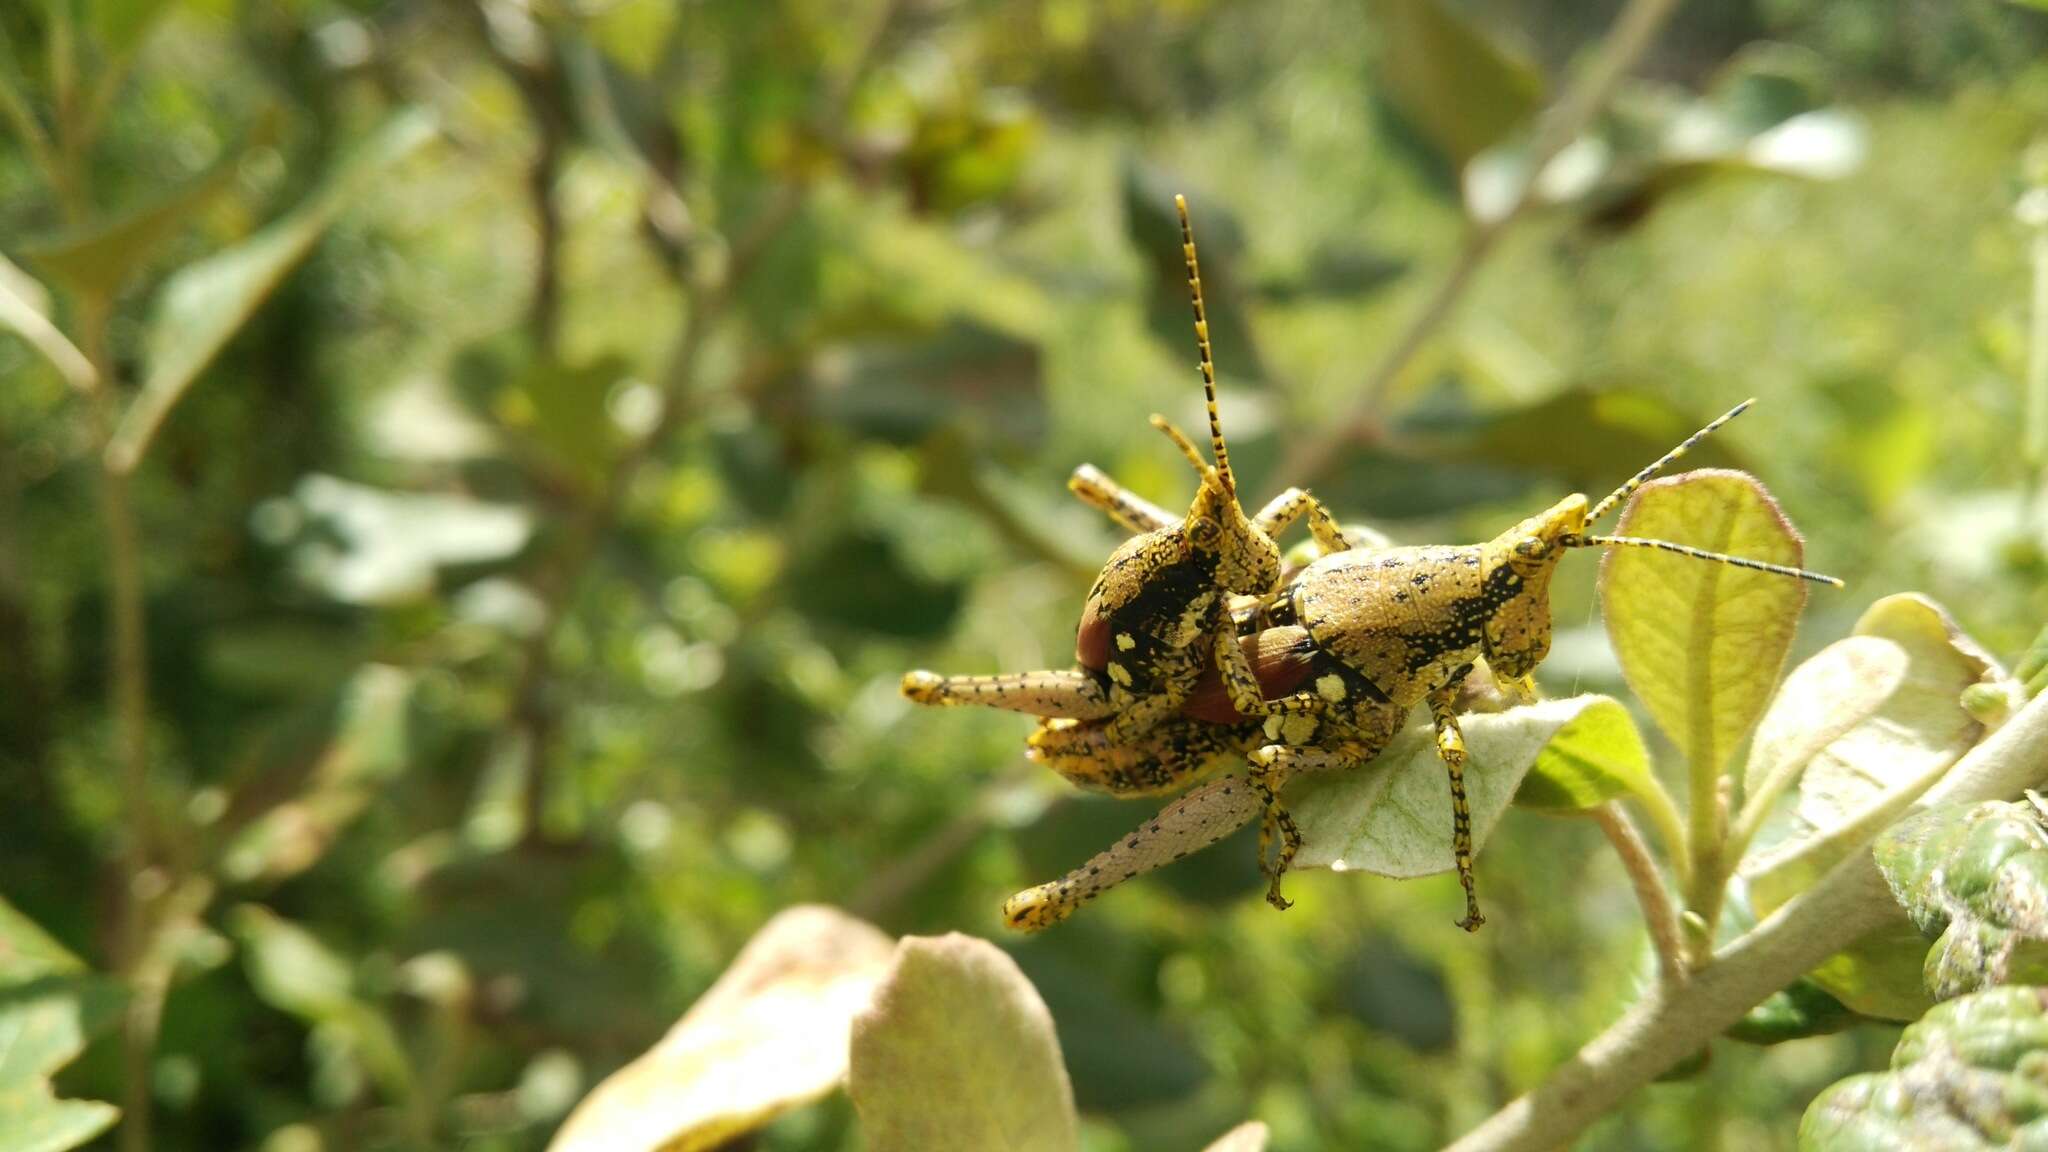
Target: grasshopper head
{"x": 1517, "y": 565}
{"x": 1247, "y": 560}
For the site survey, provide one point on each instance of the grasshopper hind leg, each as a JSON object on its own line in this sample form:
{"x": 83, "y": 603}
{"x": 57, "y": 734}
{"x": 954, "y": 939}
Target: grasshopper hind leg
{"x": 1071, "y": 695}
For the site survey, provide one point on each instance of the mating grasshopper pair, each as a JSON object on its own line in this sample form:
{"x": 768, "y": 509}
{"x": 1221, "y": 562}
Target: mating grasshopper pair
{"x": 1192, "y": 646}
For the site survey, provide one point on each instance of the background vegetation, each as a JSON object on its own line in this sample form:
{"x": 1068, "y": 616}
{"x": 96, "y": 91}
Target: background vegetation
{"x": 457, "y": 559}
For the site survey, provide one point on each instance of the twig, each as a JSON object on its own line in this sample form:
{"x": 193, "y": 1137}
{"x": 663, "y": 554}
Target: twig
{"x": 128, "y": 631}
{"x": 1669, "y": 1025}
{"x": 1565, "y": 122}
{"x": 1660, "y": 915}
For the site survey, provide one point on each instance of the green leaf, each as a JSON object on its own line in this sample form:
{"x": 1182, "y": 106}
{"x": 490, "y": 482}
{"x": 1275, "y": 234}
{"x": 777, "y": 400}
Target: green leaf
{"x": 1701, "y": 643}
{"x": 1871, "y": 772}
{"x": 959, "y": 1052}
{"x": 770, "y": 1035}
{"x": 28, "y": 953}
{"x": 202, "y": 306}
{"x": 1612, "y": 432}
{"x": 97, "y": 261}
{"x": 367, "y": 748}
{"x": 1460, "y": 91}
{"x": 1595, "y": 757}
{"x": 1881, "y": 974}
{"x": 1966, "y": 1076}
{"x": 1794, "y": 1013}
{"x": 1975, "y": 879}
{"x": 120, "y": 25}
{"x": 292, "y": 970}
{"x": 558, "y": 414}
{"x": 49, "y": 1008}
{"x": 1392, "y": 817}
{"x": 25, "y": 310}
{"x": 1251, "y": 1136}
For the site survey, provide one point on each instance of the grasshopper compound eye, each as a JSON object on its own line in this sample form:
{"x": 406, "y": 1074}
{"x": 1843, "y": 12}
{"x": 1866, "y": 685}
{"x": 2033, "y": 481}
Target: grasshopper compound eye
{"x": 1532, "y": 548}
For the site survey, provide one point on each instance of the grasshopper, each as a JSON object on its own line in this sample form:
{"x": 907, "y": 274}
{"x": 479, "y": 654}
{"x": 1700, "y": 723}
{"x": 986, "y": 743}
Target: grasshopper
{"x": 1159, "y": 615}
{"x": 1370, "y": 634}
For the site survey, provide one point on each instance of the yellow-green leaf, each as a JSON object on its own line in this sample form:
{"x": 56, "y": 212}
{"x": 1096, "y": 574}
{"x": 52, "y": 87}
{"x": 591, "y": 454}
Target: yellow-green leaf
{"x": 1701, "y": 643}
{"x": 771, "y": 1035}
{"x": 1595, "y": 757}
{"x": 959, "y": 1052}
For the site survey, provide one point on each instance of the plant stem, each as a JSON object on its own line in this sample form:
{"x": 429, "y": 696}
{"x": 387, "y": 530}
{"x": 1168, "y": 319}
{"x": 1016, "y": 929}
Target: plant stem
{"x": 1660, "y": 915}
{"x": 127, "y": 638}
{"x": 1670, "y": 1024}
{"x": 1564, "y": 122}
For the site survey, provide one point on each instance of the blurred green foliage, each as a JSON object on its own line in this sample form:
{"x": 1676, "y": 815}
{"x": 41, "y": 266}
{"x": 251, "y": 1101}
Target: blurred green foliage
{"x": 574, "y": 416}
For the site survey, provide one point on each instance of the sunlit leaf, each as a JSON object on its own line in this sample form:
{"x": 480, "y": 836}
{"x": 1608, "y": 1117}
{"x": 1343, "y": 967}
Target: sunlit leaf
{"x": 1701, "y": 643}
{"x": 1965, "y": 1077}
{"x": 49, "y": 1008}
{"x": 771, "y": 1035}
{"x": 1596, "y": 756}
{"x": 201, "y": 307}
{"x": 958, "y": 1051}
{"x": 1868, "y": 774}
{"x": 370, "y": 546}
{"x": 1250, "y": 1136}
{"x": 1820, "y": 702}
{"x": 25, "y": 309}
{"x": 1458, "y": 88}
{"x": 1392, "y": 817}
{"x": 1974, "y": 878}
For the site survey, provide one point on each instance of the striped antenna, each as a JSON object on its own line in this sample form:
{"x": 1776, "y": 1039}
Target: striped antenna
{"x": 1636, "y": 481}
{"x": 1180, "y": 438}
{"x": 1698, "y": 553}
{"x": 1187, "y": 250}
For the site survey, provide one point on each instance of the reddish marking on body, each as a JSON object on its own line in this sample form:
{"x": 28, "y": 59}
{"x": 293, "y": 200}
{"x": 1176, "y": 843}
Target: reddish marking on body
{"x": 1091, "y": 643}
{"x": 1281, "y": 659}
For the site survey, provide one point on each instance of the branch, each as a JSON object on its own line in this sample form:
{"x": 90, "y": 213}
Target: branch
{"x": 1671, "y": 1024}
{"x": 1660, "y": 915}
{"x": 1565, "y": 122}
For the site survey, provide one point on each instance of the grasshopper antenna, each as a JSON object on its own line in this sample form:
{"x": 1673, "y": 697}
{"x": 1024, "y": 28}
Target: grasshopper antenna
{"x": 1699, "y": 554}
{"x": 1636, "y": 481}
{"x": 1187, "y": 249}
{"x": 1181, "y": 441}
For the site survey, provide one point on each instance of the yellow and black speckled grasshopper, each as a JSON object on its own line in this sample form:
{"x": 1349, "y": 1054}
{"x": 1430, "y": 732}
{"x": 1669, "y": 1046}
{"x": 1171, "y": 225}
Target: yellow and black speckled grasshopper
{"x": 1158, "y": 617}
{"x": 1343, "y": 653}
